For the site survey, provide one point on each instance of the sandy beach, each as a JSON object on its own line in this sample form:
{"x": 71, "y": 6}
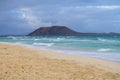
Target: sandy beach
{"x": 24, "y": 63}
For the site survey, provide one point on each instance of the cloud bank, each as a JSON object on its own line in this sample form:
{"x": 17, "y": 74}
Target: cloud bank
{"x": 21, "y": 17}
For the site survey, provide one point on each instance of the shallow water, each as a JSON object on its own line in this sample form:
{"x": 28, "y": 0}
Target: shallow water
{"x": 103, "y": 45}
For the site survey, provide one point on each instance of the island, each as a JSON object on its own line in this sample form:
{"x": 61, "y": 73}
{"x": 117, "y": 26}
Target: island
{"x": 54, "y": 30}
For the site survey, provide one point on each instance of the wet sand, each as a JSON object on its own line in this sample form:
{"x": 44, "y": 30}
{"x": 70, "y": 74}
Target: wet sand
{"x": 23, "y": 63}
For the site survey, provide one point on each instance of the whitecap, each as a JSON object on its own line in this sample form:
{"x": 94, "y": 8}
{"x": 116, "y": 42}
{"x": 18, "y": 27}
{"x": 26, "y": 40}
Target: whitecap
{"x": 58, "y": 39}
{"x": 12, "y": 37}
{"x": 101, "y": 39}
{"x": 106, "y": 40}
{"x": 36, "y": 39}
{"x": 104, "y": 50}
{"x": 43, "y": 44}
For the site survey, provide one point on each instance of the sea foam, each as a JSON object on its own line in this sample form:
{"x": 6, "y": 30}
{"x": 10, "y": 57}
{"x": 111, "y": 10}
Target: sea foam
{"x": 43, "y": 44}
{"x": 104, "y": 50}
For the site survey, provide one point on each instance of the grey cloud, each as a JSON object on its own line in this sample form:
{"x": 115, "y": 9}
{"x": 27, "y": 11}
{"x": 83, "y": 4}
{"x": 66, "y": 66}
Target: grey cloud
{"x": 80, "y": 15}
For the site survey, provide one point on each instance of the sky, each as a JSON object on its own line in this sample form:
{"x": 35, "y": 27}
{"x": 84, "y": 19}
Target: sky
{"x": 20, "y": 17}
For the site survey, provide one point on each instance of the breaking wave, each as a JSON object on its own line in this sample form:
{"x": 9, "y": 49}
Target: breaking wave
{"x": 104, "y": 50}
{"x": 43, "y": 44}
{"x": 12, "y": 37}
{"x": 107, "y": 40}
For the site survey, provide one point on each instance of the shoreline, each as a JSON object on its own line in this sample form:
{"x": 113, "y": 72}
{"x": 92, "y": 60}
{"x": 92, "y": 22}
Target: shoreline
{"x": 21, "y": 62}
{"x": 94, "y": 54}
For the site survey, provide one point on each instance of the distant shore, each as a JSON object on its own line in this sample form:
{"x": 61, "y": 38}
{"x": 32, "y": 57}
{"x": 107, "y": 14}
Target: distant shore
{"x": 23, "y": 63}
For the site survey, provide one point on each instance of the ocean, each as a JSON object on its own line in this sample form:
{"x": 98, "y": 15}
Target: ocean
{"x": 105, "y": 46}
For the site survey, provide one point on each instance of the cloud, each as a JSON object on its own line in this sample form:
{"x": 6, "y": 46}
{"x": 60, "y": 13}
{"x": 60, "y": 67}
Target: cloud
{"x": 29, "y": 16}
{"x": 80, "y": 15}
{"x": 105, "y": 7}
{"x": 93, "y": 18}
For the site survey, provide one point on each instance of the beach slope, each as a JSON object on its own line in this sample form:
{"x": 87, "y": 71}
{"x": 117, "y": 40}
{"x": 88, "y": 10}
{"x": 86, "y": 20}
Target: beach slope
{"x": 23, "y": 63}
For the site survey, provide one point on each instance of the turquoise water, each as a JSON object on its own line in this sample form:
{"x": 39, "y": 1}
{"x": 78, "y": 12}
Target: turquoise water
{"x": 101, "y": 43}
